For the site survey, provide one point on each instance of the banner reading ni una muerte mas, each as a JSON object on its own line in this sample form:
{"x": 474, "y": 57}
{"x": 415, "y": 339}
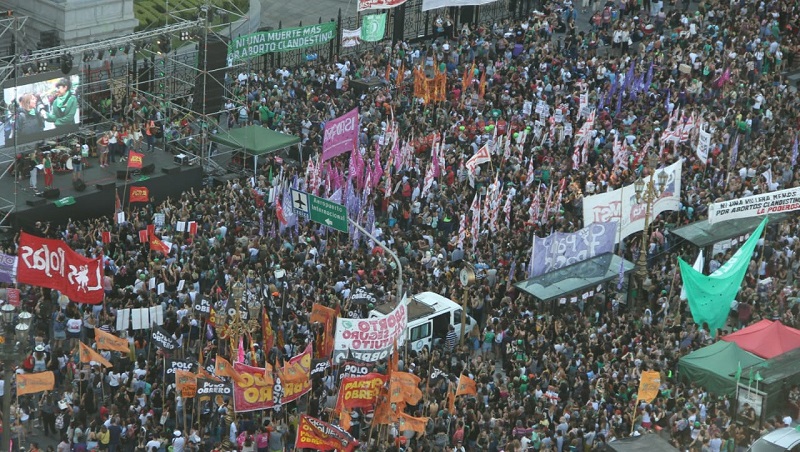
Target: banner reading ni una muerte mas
{"x": 283, "y": 40}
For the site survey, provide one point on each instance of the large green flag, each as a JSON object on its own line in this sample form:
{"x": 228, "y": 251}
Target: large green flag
{"x": 710, "y": 296}
{"x": 373, "y": 27}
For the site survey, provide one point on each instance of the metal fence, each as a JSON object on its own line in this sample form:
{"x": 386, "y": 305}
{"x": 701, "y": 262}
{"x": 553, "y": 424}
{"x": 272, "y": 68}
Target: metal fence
{"x": 417, "y": 25}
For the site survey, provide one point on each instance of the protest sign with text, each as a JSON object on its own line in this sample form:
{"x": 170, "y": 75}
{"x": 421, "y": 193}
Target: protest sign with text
{"x": 370, "y": 339}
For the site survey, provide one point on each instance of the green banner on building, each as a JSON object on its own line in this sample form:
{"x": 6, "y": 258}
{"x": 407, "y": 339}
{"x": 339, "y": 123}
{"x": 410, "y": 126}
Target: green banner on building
{"x": 284, "y": 40}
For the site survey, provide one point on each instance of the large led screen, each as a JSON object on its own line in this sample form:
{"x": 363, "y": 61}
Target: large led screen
{"x": 39, "y": 107}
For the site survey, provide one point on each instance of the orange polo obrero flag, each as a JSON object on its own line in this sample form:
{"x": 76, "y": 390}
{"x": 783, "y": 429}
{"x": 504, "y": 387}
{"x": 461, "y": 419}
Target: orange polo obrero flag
{"x": 466, "y": 386}
{"x": 223, "y": 368}
{"x": 107, "y": 341}
{"x": 185, "y": 383}
{"x": 202, "y": 373}
{"x": 407, "y": 422}
{"x": 88, "y": 355}
{"x": 404, "y": 387}
{"x": 33, "y": 383}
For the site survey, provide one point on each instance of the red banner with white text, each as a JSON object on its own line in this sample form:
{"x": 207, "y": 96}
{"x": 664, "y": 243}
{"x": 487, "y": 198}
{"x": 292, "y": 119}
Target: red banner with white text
{"x": 364, "y": 5}
{"x": 52, "y": 264}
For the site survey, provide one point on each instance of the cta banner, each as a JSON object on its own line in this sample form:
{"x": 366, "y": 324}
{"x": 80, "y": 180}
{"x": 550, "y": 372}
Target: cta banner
{"x": 620, "y": 205}
{"x": 360, "y": 392}
{"x": 313, "y": 433}
{"x": 752, "y": 206}
{"x": 364, "y": 5}
{"x": 561, "y": 249}
{"x": 370, "y": 339}
{"x": 341, "y": 135}
{"x": 428, "y": 5}
{"x": 52, "y": 264}
{"x": 254, "y": 392}
{"x": 283, "y": 40}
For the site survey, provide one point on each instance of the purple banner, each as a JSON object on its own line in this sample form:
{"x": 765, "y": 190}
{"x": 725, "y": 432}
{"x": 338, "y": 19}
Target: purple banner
{"x": 562, "y": 249}
{"x": 8, "y": 268}
{"x": 341, "y": 135}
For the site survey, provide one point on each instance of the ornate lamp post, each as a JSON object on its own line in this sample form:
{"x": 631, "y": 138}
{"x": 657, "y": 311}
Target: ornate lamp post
{"x": 9, "y": 353}
{"x": 648, "y": 193}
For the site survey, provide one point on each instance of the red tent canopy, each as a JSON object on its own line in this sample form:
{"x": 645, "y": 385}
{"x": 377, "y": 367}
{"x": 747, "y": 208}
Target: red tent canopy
{"x": 766, "y": 339}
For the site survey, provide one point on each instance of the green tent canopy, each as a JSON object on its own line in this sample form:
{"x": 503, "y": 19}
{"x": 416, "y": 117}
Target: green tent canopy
{"x": 714, "y": 367}
{"x": 256, "y": 140}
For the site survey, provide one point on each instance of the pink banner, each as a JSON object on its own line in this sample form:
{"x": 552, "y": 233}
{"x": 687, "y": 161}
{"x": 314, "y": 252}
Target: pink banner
{"x": 341, "y": 135}
{"x": 378, "y": 4}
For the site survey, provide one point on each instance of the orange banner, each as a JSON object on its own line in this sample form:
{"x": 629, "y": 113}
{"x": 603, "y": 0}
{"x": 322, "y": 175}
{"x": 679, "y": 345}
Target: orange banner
{"x": 186, "y": 383}
{"x": 107, "y": 341}
{"x": 223, "y": 368}
{"x": 407, "y": 422}
{"x": 649, "y": 385}
{"x": 327, "y": 317}
{"x": 360, "y": 392}
{"x": 33, "y": 383}
{"x": 466, "y": 386}
{"x": 254, "y": 391}
{"x": 404, "y": 387}
{"x": 88, "y": 355}
{"x": 298, "y": 369}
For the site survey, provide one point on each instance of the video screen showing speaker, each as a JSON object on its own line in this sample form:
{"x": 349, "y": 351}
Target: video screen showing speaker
{"x": 39, "y": 107}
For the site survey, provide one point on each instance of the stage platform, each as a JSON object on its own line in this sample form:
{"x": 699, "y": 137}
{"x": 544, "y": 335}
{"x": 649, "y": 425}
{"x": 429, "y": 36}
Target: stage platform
{"x": 164, "y": 179}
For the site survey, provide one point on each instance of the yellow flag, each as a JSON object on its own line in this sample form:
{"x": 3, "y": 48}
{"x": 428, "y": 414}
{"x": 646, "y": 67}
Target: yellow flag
{"x": 88, "y": 355}
{"x": 649, "y": 385}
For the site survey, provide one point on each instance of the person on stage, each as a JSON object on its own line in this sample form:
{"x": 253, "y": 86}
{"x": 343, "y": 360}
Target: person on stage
{"x": 47, "y": 165}
{"x": 64, "y": 106}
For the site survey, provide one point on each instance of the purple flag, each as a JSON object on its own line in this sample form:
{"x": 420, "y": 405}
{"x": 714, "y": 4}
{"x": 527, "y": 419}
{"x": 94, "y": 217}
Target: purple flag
{"x": 629, "y": 76}
{"x": 649, "y": 79}
{"x": 8, "y": 268}
{"x": 562, "y": 249}
{"x": 735, "y": 154}
{"x": 621, "y": 273}
{"x": 794, "y": 151}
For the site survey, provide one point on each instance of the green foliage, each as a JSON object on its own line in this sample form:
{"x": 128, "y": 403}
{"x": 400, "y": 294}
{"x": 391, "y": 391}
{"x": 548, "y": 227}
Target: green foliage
{"x": 152, "y": 13}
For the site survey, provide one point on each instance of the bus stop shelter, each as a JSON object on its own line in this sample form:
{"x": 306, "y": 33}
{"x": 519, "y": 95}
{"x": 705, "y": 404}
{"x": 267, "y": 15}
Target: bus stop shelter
{"x": 576, "y": 277}
{"x": 702, "y": 233}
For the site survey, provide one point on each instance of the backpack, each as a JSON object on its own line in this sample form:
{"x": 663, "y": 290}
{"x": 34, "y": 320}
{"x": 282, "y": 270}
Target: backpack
{"x": 60, "y": 421}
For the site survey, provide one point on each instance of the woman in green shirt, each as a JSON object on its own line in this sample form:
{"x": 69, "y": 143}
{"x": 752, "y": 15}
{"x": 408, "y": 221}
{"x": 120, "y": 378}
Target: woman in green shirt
{"x": 64, "y": 106}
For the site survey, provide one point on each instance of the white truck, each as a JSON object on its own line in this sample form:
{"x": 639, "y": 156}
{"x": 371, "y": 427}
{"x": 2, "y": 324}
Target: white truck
{"x": 429, "y": 318}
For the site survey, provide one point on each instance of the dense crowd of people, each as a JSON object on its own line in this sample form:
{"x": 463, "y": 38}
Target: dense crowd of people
{"x": 550, "y": 378}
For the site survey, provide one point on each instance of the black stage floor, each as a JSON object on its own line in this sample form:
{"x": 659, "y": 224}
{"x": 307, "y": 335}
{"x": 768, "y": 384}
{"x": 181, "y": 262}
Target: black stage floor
{"x": 164, "y": 179}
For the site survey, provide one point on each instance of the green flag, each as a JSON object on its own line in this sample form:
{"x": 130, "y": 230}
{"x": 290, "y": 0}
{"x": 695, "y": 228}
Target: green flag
{"x": 373, "y": 27}
{"x": 738, "y": 375}
{"x": 710, "y": 296}
{"x": 758, "y": 376}
{"x": 68, "y": 201}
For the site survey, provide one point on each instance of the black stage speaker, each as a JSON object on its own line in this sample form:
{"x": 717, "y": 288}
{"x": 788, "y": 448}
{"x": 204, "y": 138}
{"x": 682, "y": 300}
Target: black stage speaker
{"x": 35, "y": 202}
{"x": 79, "y": 185}
{"x": 122, "y": 174}
{"x": 149, "y": 169}
{"x": 106, "y": 186}
{"x": 52, "y": 193}
{"x": 171, "y": 169}
{"x": 210, "y": 88}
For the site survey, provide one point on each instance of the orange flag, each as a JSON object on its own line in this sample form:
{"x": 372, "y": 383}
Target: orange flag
{"x": 383, "y": 411}
{"x": 466, "y": 386}
{"x": 223, "y": 368}
{"x": 107, "y": 341}
{"x": 88, "y": 355}
{"x": 345, "y": 420}
{"x": 451, "y": 401}
{"x": 404, "y": 387}
{"x": 186, "y": 383}
{"x": 407, "y": 422}
{"x": 33, "y": 383}
{"x": 394, "y": 361}
{"x": 482, "y": 87}
{"x": 649, "y": 386}
{"x": 202, "y": 373}
{"x": 388, "y": 74}
{"x": 401, "y": 74}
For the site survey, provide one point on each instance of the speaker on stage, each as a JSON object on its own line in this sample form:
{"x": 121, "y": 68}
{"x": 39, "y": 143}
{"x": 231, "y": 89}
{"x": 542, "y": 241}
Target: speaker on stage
{"x": 106, "y": 186}
{"x": 209, "y": 87}
{"x": 122, "y": 174}
{"x": 148, "y": 169}
{"x": 79, "y": 185}
{"x": 35, "y": 202}
{"x": 51, "y": 193}
{"x": 171, "y": 169}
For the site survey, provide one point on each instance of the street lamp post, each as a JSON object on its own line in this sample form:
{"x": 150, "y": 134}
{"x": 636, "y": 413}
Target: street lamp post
{"x": 8, "y": 354}
{"x": 647, "y": 193}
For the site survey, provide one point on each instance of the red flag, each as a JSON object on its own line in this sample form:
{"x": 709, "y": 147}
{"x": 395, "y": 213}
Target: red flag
{"x": 106, "y": 237}
{"x": 135, "y": 159}
{"x": 279, "y": 212}
{"x": 139, "y": 194}
{"x": 143, "y": 236}
{"x": 151, "y": 230}
{"x": 157, "y": 245}
{"x": 192, "y": 227}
